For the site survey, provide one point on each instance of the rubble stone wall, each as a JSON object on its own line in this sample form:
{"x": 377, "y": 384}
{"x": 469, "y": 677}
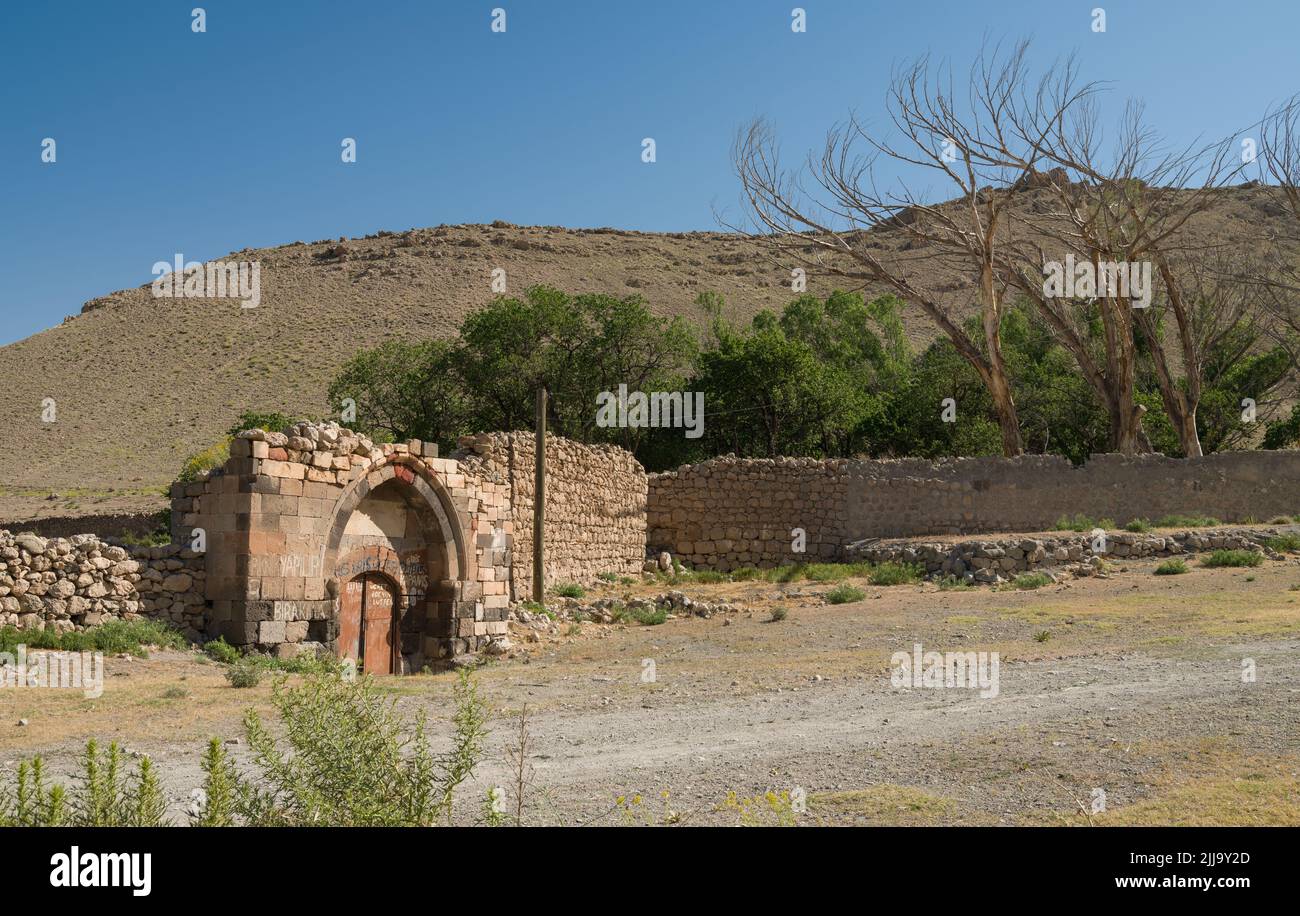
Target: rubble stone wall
{"x": 595, "y": 506}
{"x": 730, "y": 512}
{"x": 82, "y": 581}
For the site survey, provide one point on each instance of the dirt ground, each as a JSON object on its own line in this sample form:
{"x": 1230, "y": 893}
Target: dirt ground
{"x": 1130, "y": 684}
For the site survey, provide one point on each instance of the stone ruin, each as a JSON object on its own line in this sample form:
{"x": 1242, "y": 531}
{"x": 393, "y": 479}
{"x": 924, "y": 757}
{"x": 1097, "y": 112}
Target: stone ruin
{"x": 318, "y": 539}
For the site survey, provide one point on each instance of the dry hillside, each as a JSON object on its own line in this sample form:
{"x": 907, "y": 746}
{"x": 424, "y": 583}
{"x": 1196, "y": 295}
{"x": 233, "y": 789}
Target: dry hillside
{"x": 140, "y": 383}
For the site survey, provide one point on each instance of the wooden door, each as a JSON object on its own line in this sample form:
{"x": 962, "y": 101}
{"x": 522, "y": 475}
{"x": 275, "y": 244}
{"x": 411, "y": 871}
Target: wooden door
{"x": 349, "y": 643}
{"x": 366, "y": 615}
{"x": 377, "y": 626}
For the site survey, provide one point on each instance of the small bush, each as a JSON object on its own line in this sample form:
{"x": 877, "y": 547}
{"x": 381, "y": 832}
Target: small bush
{"x": 844, "y": 594}
{"x": 708, "y": 576}
{"x": 779, "y": 614}
{"x": 270, "y": 421}
{"x": 569, "y": 590}
{"x": 246, "y": 672}
{"x": 951, "y": 583}
{"x": 221, "y": 651}
{"x": 1030, "y": 580}
{"x": 787, "y": 572}
{"x": 745, "y": 574}
{"x": 1138, "y": 525}
{"x": 1233, "y": 558}
{"x": 1186, "y": 521}
{"x": 1174, "y": 567}
{"x": 1042, "y": 636}
{"x": 104, "y": 796}
{"x": 894, "y": 574}
{"x": 214, "y": 456}
{"x": 351, "y": 761}
{"x": 607, "y": 577}
{"x": 648, "y": 617}
{"x": 1284, "y": 543}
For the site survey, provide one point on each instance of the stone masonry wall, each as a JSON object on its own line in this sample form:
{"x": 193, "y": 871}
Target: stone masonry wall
{"x": 274, "y": 516}
{"x": 79, "y": 582}
{"x": 730, "y": 512}
{"x": 595, "y": 506}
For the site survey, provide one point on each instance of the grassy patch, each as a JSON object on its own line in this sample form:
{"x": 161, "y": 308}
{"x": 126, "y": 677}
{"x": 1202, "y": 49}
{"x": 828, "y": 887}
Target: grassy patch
{"x": 1284, "y": 543}
{"x": 1081, "y": 522}
{"x": 1187, "y": 521}
{"x": 569, "y": 590}
{"x": 1030, "y": 580}
{"x": 646, "y": 617}
{"x": 1232, "y": 558}
{"x": 885, "y": 804}
{"x": 1174, "y": 567}
{"x": 844, "y": 594}
{"x": 1138, "y": 525}
{"x": 895, "y": 574}
{"x": 130, "y": 636}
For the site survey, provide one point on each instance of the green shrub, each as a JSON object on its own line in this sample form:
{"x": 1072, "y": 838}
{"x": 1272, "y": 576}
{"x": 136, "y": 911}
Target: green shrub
{"x": 1138, "y": 525}
{"x": 1284, "y": 543}
{"x": 1233, "y": 558}
{"x": 1174, "y": 567}
{"x": 245, "y": 672}
{"x": 1077, "y": 522}
{"x": 845, "y": 593}
{"x": 607, "y": 577}
{"x": 351, "y": 761}
{"x": 220, "y": 789}
{"x": 709, "y": 576}
{"x": 103, "y": 797}
{"x": 746, "y": 574}
{"x": 894, "y": 574}
{"x": 1030, "y": 580}
{"x": 786, "y": 572}
{"x": 648, "y": 617}
{"x": 221, "y": 651}
{"x": 952, "y": 583}
{"x": 131, "y": 636}
{"x": 214, "y": 456}
{"x": 1186, "y": 521}
{"x": 270, "y": 421}
{"x": 1042, "y": 636}
{"x": 569, "y": 590}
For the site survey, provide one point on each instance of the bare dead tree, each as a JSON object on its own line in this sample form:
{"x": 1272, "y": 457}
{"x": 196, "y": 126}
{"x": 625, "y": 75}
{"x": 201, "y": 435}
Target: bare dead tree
{"x": 1278, "y": 284}
{"x": 815, "y": 216}
{"x": 1129, "y": 205}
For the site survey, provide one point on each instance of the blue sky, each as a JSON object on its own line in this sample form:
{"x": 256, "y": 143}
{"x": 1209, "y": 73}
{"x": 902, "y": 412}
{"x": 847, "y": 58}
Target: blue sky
{"x": 206, "y": 143}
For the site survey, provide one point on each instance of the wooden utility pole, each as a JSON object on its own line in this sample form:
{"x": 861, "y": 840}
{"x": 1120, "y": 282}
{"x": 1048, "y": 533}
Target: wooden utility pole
{"x": 539, "y": 499}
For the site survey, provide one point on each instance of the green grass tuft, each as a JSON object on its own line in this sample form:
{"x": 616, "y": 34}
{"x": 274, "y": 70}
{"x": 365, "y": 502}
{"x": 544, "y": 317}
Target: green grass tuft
{"x": 845, "y": 593}
{"x": 1232, "y": 558}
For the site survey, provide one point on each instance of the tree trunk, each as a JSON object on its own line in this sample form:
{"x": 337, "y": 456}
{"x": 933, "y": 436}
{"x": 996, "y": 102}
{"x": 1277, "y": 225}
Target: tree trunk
{"x": 999, "y": 386}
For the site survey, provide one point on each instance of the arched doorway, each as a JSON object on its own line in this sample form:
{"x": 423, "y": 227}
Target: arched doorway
{"x": 368, "y": 623}
{"x": 399, "y": 524}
